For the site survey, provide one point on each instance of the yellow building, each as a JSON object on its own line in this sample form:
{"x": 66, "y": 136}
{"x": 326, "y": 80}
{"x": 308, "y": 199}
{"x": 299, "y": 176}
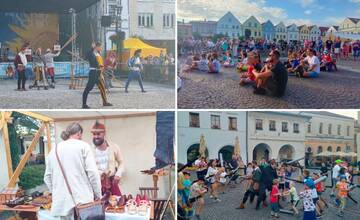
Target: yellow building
{"x": 252, "y": 28}
{"x": 304, "y": 32}
{"x": 328, "y": 133}
{"x": 350, "y": 26}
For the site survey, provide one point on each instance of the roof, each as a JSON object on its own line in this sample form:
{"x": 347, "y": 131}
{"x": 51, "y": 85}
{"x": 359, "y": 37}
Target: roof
{"x": 90, "y": 115}
{"x": 230, "y": 14}
{"x": 355, "y": 20}
{"x": 252, "y": 16}
{"x": 324, "y": 29}
{"x": 203, "y": 22}
{"x": 336, "y": 27}
{"x": 293, "y": 114}
{"x": 324, "y": 113}
{"x": 45, "y": 6}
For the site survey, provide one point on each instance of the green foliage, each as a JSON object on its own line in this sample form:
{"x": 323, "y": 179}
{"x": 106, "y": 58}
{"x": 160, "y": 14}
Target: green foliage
{"x": 32, "y": 176}
{"x": 14, "y": 146}
{"x": 21, "y": 125}
{"x": 217, "y": 36}
{"x": 196, "y": 35}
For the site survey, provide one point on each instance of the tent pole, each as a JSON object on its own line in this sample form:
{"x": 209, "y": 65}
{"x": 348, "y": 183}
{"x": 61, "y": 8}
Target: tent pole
{"x": 26, "y": 156}
{"x": 4, "y": 117}
{"x": 48, "y": 136}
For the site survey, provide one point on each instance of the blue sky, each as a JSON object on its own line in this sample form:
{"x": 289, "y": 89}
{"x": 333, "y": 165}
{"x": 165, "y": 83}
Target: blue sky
{"x": 319, "y": 12}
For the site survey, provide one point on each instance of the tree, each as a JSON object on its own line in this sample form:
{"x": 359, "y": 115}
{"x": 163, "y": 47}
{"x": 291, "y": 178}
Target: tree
{"x": 21, "y": 125}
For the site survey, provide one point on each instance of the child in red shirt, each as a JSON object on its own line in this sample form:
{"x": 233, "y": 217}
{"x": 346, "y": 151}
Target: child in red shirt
{"x": 274, "y": 199}
{"x": 253, "y": 64}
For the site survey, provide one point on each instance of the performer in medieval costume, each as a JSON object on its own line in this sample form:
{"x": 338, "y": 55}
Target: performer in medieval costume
{"x": 135, "y": 67}
{"x": 95, "y": 75}
{"x": 38, "y": 64}
{"x": 20, "y": 65}
{"x": 109, "y": 160}
{"x": 50, "y": 66}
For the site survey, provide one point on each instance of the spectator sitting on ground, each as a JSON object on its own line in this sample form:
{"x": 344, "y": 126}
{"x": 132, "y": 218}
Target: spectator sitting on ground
{"x": 273, "y": 78}
{"x": 203, "y": 63}
{"x": 228, "y": 61}
{"x": 253, "y": 64}
{"x": 242, "y": 65}
{"x": 326, "y": 62}
{"x": 294, "y": 64}
{"x": 314, "y": 65}
{"x": 214, "y": 64}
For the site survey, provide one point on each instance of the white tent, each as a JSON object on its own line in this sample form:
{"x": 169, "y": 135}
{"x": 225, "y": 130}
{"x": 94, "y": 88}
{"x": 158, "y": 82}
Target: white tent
{"x": 134, "y": 132}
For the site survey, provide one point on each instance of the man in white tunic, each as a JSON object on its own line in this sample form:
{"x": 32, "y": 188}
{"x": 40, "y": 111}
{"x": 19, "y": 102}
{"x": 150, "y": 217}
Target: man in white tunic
{"x": 109, "y": 159}
{"x": 81, "y": 172}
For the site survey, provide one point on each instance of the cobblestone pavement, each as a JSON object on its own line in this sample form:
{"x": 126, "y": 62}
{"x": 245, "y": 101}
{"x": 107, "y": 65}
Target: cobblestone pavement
{"x": 226, "y": 208}
{"x": 157, "y": 96}
{"x": 331, "y": 90}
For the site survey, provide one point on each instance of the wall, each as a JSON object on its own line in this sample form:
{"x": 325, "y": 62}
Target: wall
{"x": 215, "y": 139}
{"x": 136, "y": 137}
{"x": 276, "y": 139}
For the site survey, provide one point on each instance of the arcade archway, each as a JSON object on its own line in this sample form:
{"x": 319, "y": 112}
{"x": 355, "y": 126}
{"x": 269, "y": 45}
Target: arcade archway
{"x": 261, "y": 151}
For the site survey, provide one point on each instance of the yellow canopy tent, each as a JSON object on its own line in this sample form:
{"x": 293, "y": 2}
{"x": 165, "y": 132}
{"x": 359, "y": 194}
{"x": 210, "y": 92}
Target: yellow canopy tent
{"x": 133, "y": 44}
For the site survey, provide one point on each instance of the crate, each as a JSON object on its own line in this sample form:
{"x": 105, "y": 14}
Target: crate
{"x": 9, "y": 194}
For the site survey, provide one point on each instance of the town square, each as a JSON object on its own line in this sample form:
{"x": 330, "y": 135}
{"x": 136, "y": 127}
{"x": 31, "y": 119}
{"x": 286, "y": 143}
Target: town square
{"x": 230, "y": 164}
{"x": 226, "y": 55}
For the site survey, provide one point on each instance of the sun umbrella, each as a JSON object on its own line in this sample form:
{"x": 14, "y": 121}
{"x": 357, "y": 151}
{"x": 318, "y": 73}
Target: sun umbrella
{"x": 325, "y": 154}
{"x": 237, "y": 147}
{"x": 202, "y": 147}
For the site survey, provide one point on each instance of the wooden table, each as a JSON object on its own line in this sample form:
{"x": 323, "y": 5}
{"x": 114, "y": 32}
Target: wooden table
{"x": 19, "y": 208}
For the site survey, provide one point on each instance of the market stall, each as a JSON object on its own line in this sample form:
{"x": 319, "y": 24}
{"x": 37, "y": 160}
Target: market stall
{"x": 136, "y": 136}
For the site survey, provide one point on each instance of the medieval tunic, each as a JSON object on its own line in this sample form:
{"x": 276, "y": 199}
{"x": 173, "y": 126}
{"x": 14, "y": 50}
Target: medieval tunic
{"x": 81, "y": 171}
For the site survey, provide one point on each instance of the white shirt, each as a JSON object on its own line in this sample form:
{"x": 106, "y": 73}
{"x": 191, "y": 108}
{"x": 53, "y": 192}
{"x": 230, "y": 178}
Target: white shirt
{"x": 23, "y": 58}
{"x": 211, "y": 172}
{"x": 336, "y": 171}
{"x": 82, "y": 174}
{"x": 314, "y": 60}
{"x": 102, "y": 158}
{"x": 222, "y": 177}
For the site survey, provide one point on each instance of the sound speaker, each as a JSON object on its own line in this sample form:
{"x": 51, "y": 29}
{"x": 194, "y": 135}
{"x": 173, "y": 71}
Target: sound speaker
{"x": 106, "y": 21}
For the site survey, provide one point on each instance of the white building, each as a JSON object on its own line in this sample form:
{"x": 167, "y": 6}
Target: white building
{"x": 280, "y": 33}
{"x": 276, "y": 135}
{"x": 229, "y": 25}
{"x": 292, "y": 33}
{"x": 152, "y": 20}
{"x": 328, "y": 132}
{"x": 116, "y": 9}
{"x": 220, "y": 130}
{"x": 314, "y": 33}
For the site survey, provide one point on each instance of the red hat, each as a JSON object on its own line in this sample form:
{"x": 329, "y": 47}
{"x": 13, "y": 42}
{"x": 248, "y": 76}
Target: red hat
{"x": 98, "y": 127}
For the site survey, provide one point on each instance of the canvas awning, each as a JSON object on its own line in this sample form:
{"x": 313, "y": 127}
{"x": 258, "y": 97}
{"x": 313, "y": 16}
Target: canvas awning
{"x": 133, "y": 44}
{"x": 44, "y": 6}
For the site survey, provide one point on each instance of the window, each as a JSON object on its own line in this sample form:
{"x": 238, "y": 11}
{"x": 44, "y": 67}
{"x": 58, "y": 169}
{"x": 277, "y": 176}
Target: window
{"x": 284, "y": 127}
{"x": 348, "y": 131}
{"x": 272, "y": 125}
{"x": 168, "y": 20}
{"x": 194, "y": 120}
{"x": 296, "y": 128}
{"x": 329, "y": 149}
{"x": 309, "y": 128}
{"x": 146, "y": 20}
{"x": 321, "y": 128}
{"x": 232, "y": 123}
{"x": 215, "y": 121}
{"x": 339, "y": 129}
{"x": 338, "y": 149}
{"x": 329, "y": 129}
{"x": 112, "y": 10}
{"x": 319, "y": 149}
{"x": 259, "y": 124}
{"x": 348, "y": 149}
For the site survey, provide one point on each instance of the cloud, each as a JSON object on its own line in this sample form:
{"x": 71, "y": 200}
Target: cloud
{"x": 307, "y": 12}
{"x": 243, "y": 9}
{"x": 355, "y": 1}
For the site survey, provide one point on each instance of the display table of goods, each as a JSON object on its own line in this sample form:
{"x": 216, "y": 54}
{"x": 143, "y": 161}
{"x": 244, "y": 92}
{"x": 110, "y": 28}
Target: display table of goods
{"x": 117, "y": 208}
{"x": 14, "y": 199}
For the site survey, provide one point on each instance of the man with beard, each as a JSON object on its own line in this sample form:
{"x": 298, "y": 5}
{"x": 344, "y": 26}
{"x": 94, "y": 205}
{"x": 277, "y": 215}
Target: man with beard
{"x": 268, "y": 174}
{"x": 109, "y": 160}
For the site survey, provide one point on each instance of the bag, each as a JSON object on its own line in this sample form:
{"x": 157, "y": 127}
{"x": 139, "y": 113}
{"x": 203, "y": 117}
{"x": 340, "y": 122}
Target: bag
{"x": 91, "y": 210}
{"x": 256, "y": 186}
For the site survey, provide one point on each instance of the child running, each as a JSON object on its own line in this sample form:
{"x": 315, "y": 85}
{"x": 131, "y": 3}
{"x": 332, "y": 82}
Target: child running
{"x": 274, "y": 199}
{"x": 306, "y": 195}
